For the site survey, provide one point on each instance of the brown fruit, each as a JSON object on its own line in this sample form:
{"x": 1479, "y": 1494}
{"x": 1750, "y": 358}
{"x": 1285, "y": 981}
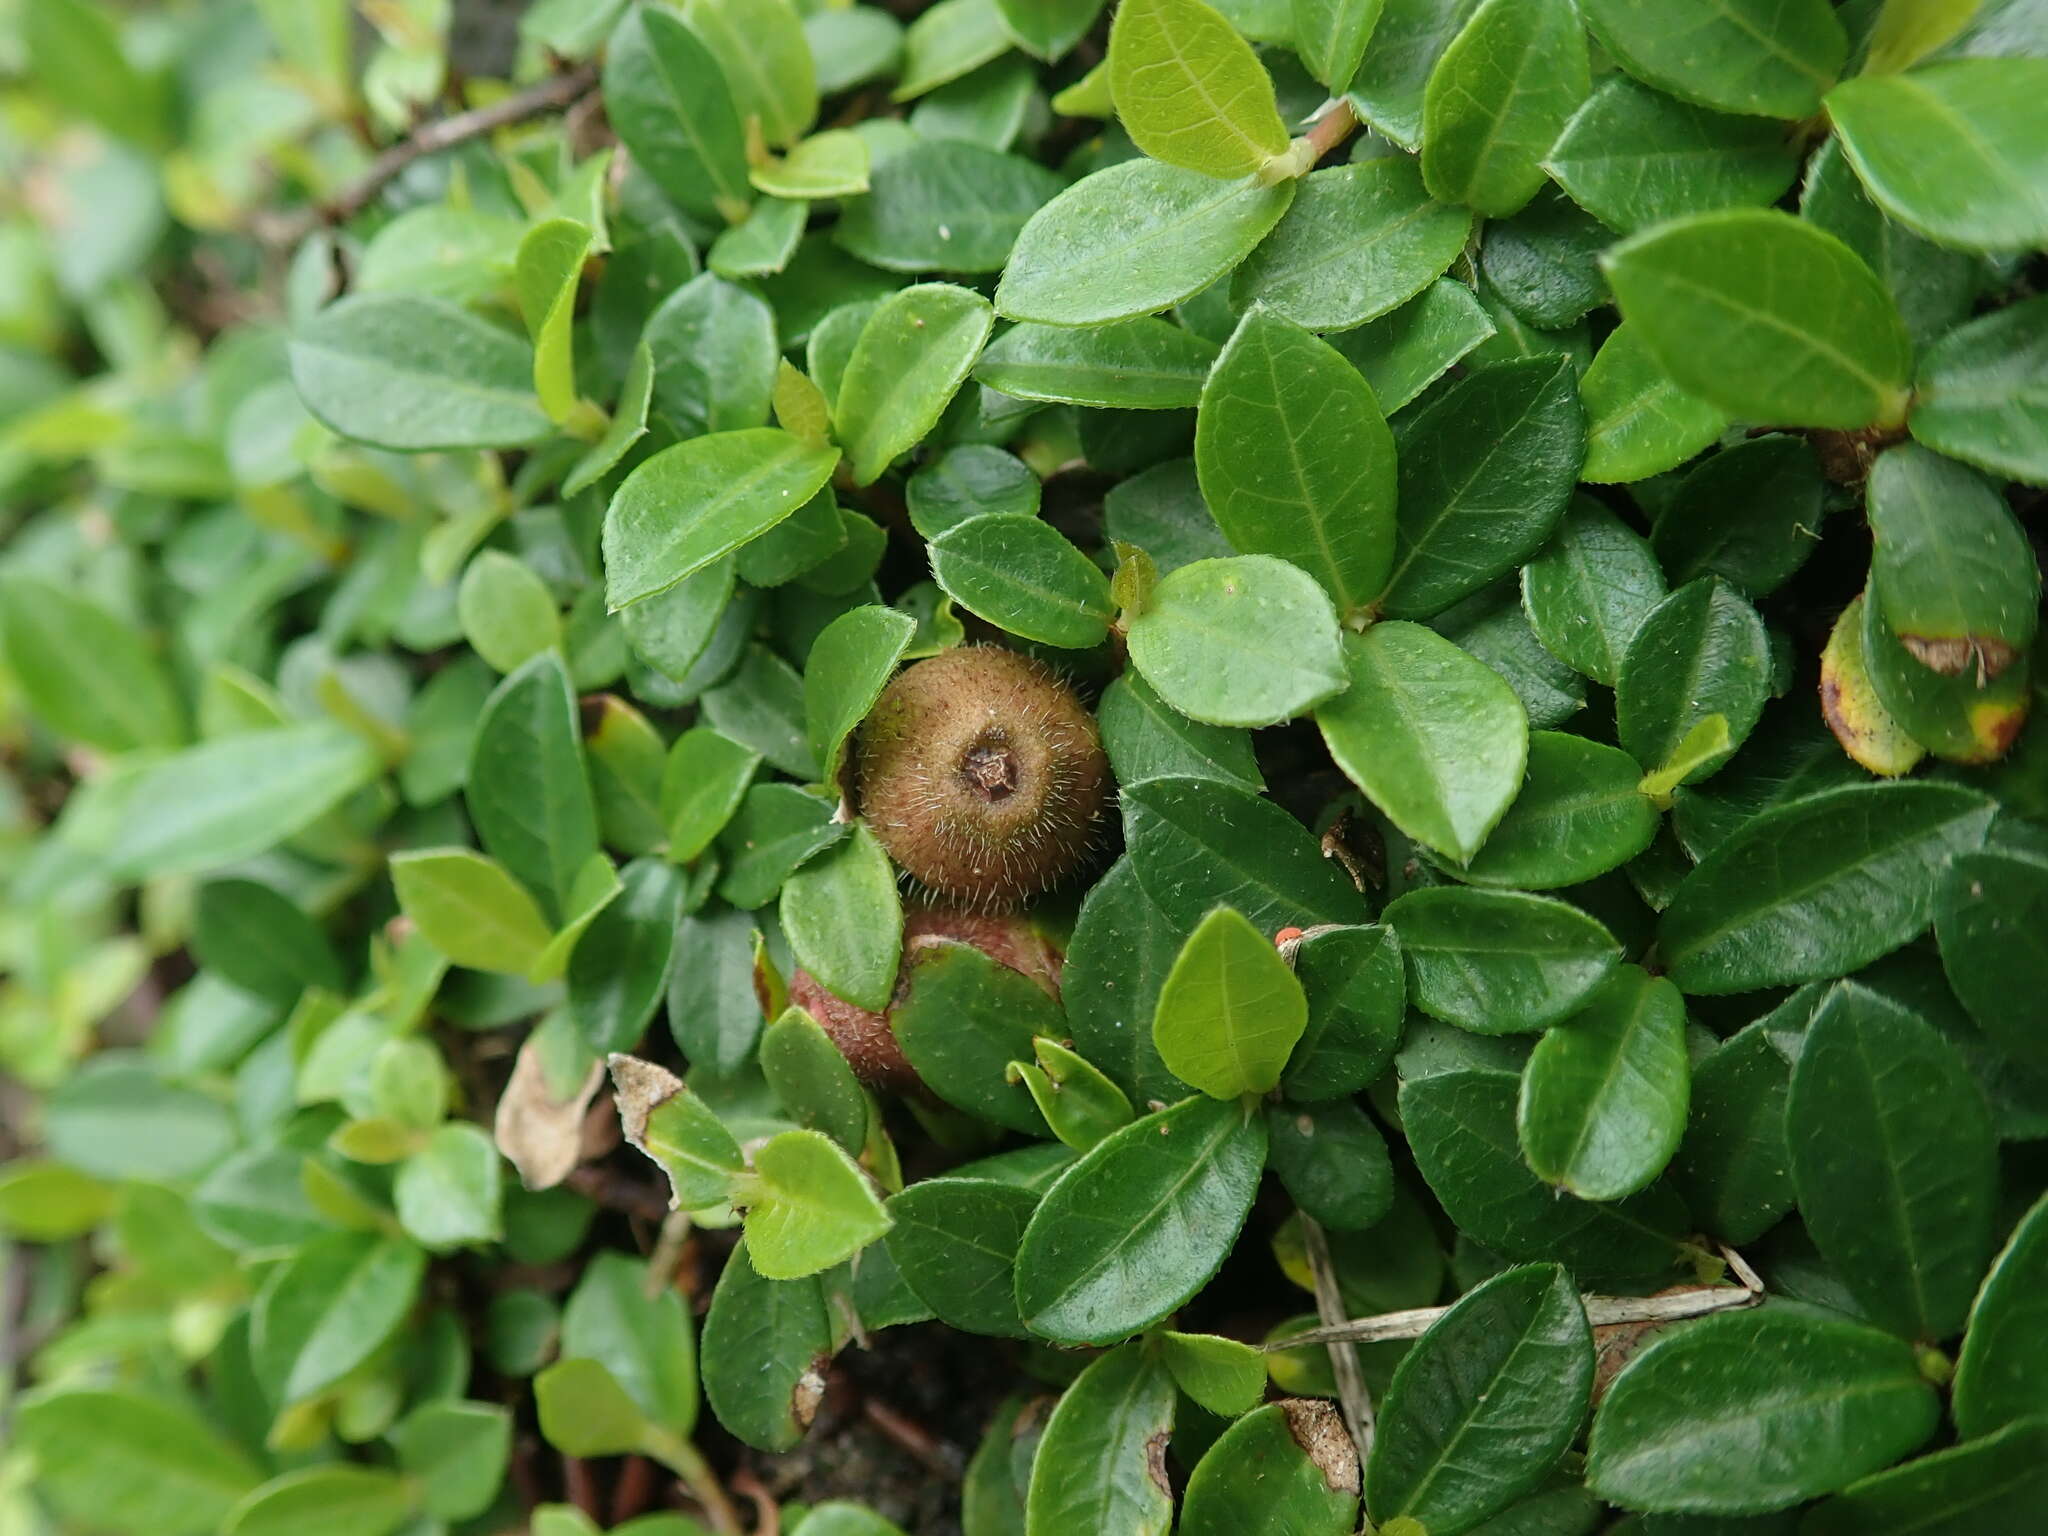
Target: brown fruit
{"x": 982, "y": 775}
{"x": 864, "y": 1037}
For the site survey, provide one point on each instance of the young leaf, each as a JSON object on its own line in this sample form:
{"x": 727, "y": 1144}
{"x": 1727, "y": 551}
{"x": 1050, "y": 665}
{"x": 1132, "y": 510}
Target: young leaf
{"x": 1497, "y": 100}
{"x": 1230, "y": 1010}
{"x": 808, "y": 1207}
{"x": 1604, "y": 1095}
{"x": 1295, "y": 458}
{"x": 547, "y": 272}
{"x": 447, "y": 1193}
{"x": 914, "y": 352}
{"x": 1499, "y": 962}
{"x": 1287, "y": 1466}
{"x": 1190, "y": 91}
{"x": 471, "y": 909}
{"x": 1767, "y": 317}
{"x": 1435, "y": 739}
{"x": 1484, "y": 1404}
{"x": 1766, "y": 58}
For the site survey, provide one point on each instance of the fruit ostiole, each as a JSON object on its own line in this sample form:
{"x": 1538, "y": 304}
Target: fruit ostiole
{"x": 984, "y": 777}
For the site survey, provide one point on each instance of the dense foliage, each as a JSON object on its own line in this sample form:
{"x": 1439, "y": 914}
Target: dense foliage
{"x": 1539, "y": 499}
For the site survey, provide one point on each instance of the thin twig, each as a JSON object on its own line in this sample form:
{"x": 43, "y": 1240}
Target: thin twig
{"x": 1352, "y": 1395}
{"x": 1332, "y": 128}
{"x": 668, "y": 1252}
{"x": 551, "y": 94}
{"x": 1601, "y": 1312}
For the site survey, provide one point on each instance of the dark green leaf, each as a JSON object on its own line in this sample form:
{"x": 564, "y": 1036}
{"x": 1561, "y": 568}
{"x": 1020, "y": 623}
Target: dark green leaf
{"x": 1096, "y": 1467}
{"x": 1145, "y": 739}
{"x": 1497, "y": 100}
{"x": 1989, "y": 918}
{"x": 1198, "y": 844}
{"x": 1702, "y": 651}
{"x": 1357, "y": 998}
{"x": 1407, "y": 349}
{"x": 1998, "y": 1374}
{"x": 1991, "y": 1487}
{"x": 1287, "y": 1467}
{"x": 1766, "y": 58}
{"x": 964, "y": 1019}
{"x": 670, "y": 104}
{"x": 618, "y": 972}
{"x": 942, "y": 205}
{"x": 1332, "y": 1161}
{"x": 528, "y": 791}
{"x": 1499, "y": 962}
{"x": 1135, "y": 365}
{"x": 1982, "y": 393}
{"x": 955, "y": 1240}
{"x": 1750, "y": 515}
{"x": 1579, "y": 815}
{"x": 1590, "y": 591}
{"x": 764, "y": 1347}
{"x": 1733, "y": 1165}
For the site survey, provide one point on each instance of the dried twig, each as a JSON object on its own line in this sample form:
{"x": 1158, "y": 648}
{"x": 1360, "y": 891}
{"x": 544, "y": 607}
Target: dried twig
{"x": 1601, "y": 1312}
{"x": 1352, "y": 1395}
{"x": 552, "y": 94}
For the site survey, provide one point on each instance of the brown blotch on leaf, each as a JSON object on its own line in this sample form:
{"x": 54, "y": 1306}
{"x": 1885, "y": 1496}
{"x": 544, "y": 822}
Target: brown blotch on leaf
{"x": 1155, "y": 1462}
{"x": 1953, "y": 657}
{"x": 1319, "y": 1430}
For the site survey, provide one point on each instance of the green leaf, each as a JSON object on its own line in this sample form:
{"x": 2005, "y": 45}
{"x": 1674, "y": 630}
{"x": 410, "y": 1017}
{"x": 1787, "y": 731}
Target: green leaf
{"x": 75, "y": 53}
{"x": 1435, "y": 739}
{"x": 1956, "y": 150}
{"x": 1122, "y": 947}
{"x": 1982, "y": 393}
{"x": 1230, "y": 1010}
{"x": 1766, "y": 58}
{"x": 1140, "y": 1223}
{"x": 1991, "y": 947}
{"x": 766, "y": 60}
{"x": 642, "y": 1338}
{"x": 1497, "y": 100}
{"x": 447, "y": 1193}
{"x": 701, "y": 787}
{"x": 1895, "y": 1161}
{"x": 408, "y": 372}
{"x": 947, "y": 41}
{"x": 1190, "y": 91}
{"x": 945, "y": 205}
{"x": 1357, "y": 993}
{"x": 1486, "y": 468}
{"x": 1080, "y": 1102}
{"x": 328, "y": 1307}
{"x": 1968, "y": 717}
{"x": 1604, "y": 1096}
{"x": 1750, "y": 514}
{"x": 1198, "y": 844}
{"x": 1733, "y": 1166}
{"x": 1817, "y": 887}
{"x": 219, "y": 802}
{"x": 1638, "y": 422}
{"x": 1461, "y": 1126}
{"x": 47, "y": 1202}
{"x": 1133, "y": 365}
{"x": 1702, "y": 651}
{"x": 1243, "y": 641}
{"x": 1755, "y": 1411}
{"x": 1357, "y": 241}
{"x": 844, "y": 920}
{"x": 690, "y": 505}
{"x": 1289, "y": 1466}
{"x": 1494, "y": 630}
{"x": 669, "y": 102}
{"x": 813, "y": 1082}
{"x": 1095, "y": 1467}
{"x": 955, "y": 1240}
{"x": 471, "y": 909}
{"x": 1588, "y": 593}
{"x": 458, "y": 1451}
{"x": 1579, "y": 815}
{"x": 1950, "y": 566}
{"x": 257, "y": 938}
{"x": 1542, "y": 265}
{"x": 1332, "y": 1161}
{"x": 1407, "y": 349}
{"x": 1411, "y": 36}
{"x": 528, "y": 792}
{"x": 1023, "y": 576}
{"x": 1993, "y": 1484}
{"x": 1224, "y": 1376}
{"x": 88, "y": 675}
{"x": 965, "y": 1018}
{"x": 1484, "y": 1404}
{"x": 851, "y": 662}
{"x": 1998, "y": 1379}
{"x": 140, "y": 1461}
{"x": 808, "y": 1207}
{"x": 1767, "y": 317}
{"x": 1499, "y": 962}
{"x": 714, "y": 357}
{"x": 1331, "y": 36}
{"x": 1295, "y": 458}
{"x": 1049, "y": 28}
{"x": 1633, "y": 157}
{"x": 914, "y": 352}
{"x": 618, "y": 972}
{"x": 583, "y": 1411}
{"x": 546, "y": 273}
{"x": 325, "y": 1501}
{"x": 764, "y": 244}
{"x": 678, "y": 1132}
{"x": 1133, "y": 239}
{"x": 1145, "y": 739}
{"x": 777, "y": 829}
{"x": 834, "y": 163}
{"x": 764, "y": 1346}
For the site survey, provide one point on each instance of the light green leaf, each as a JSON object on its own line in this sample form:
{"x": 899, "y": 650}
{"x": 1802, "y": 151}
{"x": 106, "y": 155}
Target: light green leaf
{"x": 118, "y": 1455}
{"x": 1024, "y": 576}
{"x": 1497, "y": 100}
{"x": 547, "y": 273}
{"x": 914, "y": 352}
{"x": 844, "y": 920}
{"x": 471, "y": 909}
{"x": 88, "y": 674}
{"x": 766, "y": 60}
{"x": 808, "y": 1207}
{"x": 1138, "y": 364}
{"x": 508, "y": 614}
{"x": 1190, "y": 91}
{"x": 1230, "y": 1010}
{"x": 669, "y": 102}
{"x": 1768, "y": 58}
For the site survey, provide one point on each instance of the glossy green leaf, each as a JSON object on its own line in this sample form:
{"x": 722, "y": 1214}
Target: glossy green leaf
{"x": 125, "y": 1456}
{"x": 843, "y": 919}
{"x": 1604, "y": 1095}
{"x": 1895, "y": 1161}
{"x": 1817, "y": 887}
{"x": 1638, "y": 422}
{"x": 1982, "y": 393}
{"x": 471, "y": 909}
{"x": 955, "y": 1239}
{"x": 1750, "y": 514}
{"x": 1486, "y": 468}
{"x": 1190, "y": 91}
{"x": 1499, "y": 962}
{"x": 1767, "y": 317}
{"x": 1579, "y": 814}
{"x": 408, "y": 372}
{"x": 1755, "y": 1411}
{"x": 528, "y": 791}
{"x": 1497, "y": 99}
{"x": 668, "y": 99}
{"x": 1133, "y": 239}
{"x": 914, "y": 352}
{"x": 1095, "y": 1467}
{"x": 714, "y": 348}
{"x": 1588, "y": 593}
{"x": 850, "y": 663}
{"x": 1197, "y": 844}
{"x": 1332, "y": 1161}
{"x": 690, "y": 505}
{"x": 763, "y": 1346}
{"x": 1357, "y": 241}
{"x": 813, "y": 1081}
{"x": 1407, "y": 349}
{"x": 1435, "y": 739}
{"x": 546, "y": 274}
{"x": 1140, "y": 1223}
{"x": 1357, "y": 996}
{"x": 1244, "y": 641}
{"x": 965, "y": 1019}
{"x": 1289, "y": 1466}
{"x": 701, "y": 787}
{"x": 1702, "y": 651}
{"x": 1493, "y": 628}
{"x": 1991, "y": 947}
{"x": 1295, "y": 459}
{"x": 89, "y": 674}
{"x": 1230, "y": 1010}
{"x": 1543, "y": 264}
{"x": 1954, "y": 149}
{"x": 1733, "y": 1166}
{"x": 1145, "y": 739}
{"x": 808, "y": 1207}
{"x": 618, "y": 972}
{"x": 1761, "y": 57}
{"x": 1995, "y": 1484}
{"x": 1998, "y": 1380}
{"x": 1133, "y": 365}
{"x": 1484, "y": 1404}
{"x": 1633, "y": 157}
{"x": 945, "y": 205}
{"x": 1025, "y": 577}
{"x": 1411, "y": 36}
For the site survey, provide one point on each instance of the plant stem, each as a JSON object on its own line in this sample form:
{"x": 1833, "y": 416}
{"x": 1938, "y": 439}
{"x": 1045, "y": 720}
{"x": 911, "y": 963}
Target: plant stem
{"x": 1352, "y": 1395}
{"x": 1601, "y": 1312}
{"x": 683, "y": 1459}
